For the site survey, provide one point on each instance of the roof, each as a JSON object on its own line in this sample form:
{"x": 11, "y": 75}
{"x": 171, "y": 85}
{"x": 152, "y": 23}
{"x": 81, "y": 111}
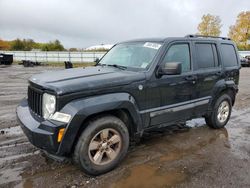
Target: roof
{"x": 187, "y": 37}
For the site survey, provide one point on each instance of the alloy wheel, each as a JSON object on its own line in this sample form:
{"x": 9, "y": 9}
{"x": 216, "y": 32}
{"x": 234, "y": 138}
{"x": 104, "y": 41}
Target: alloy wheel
{"x": 105, "y": 146}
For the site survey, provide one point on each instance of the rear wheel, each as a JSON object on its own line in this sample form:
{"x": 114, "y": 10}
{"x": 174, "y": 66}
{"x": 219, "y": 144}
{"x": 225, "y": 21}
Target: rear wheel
{"x": 221, "y": 112}
{"x": 102, "y": 145}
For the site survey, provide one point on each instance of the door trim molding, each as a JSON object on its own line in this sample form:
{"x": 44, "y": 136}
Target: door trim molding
{"x": 176, "y": 107}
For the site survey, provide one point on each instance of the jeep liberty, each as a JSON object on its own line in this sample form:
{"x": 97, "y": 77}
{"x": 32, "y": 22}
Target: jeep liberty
{"x": 91, "y": 114}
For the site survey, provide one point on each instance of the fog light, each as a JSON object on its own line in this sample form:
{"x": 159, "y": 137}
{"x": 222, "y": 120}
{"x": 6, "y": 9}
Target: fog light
{"x": 60, "y": 134}
{"x": 58, "y": 116}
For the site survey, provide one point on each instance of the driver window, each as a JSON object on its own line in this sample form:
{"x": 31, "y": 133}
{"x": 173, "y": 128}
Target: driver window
{"x": 179, "y": 53}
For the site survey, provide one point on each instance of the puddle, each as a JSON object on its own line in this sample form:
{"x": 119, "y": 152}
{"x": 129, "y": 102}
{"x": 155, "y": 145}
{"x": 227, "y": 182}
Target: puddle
{"x": 158, "y": 154}
{"x": 146, "y": 176}
{"x": 198, "y": 122}
{"x": 194, "y": 143}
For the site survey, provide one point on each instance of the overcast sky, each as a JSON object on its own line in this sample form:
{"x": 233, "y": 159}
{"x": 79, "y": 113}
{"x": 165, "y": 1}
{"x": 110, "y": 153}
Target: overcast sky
{"x": 82, "y": 23}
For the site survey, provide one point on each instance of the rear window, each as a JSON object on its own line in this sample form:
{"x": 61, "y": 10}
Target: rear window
{"x": 228, "y": 55}
{"x": 206, "y": 55}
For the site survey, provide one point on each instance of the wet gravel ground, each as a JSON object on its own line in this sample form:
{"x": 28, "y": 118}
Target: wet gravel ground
{"x": 175, "y": 157}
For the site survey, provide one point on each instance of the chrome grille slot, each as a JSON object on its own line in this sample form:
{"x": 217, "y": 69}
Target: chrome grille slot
{"x": 35, "y": 100}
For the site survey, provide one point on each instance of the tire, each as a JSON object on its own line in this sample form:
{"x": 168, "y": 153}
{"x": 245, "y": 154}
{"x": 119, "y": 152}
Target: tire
{"x": 102, "y": 145}
{"x": 218, "y": 120}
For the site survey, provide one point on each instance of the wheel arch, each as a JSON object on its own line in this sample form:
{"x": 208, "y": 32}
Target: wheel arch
{"x": 123, "y": 114}
{"x": 224, "y": 87}
{"x": 121, "y": 105}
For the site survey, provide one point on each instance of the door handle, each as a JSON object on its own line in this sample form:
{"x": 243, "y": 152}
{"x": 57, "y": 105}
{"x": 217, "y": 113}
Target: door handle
{"x": 219, "y": 73}
{"x": 191, "y": 78}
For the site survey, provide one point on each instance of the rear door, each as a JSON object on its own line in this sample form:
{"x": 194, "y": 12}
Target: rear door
{"x": 208, "y": 70}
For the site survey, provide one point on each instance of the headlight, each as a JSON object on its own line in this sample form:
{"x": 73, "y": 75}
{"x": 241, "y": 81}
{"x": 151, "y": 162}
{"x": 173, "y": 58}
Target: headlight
{"x": 49, "y": 105}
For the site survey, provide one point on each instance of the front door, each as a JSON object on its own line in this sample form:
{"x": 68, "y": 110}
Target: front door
{"x": 176, "y": 91}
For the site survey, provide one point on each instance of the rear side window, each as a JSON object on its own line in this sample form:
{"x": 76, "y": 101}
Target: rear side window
{"x": 206, "y": 55}
{"x": 228, "y": 55}
{"x": 179, "y": 53}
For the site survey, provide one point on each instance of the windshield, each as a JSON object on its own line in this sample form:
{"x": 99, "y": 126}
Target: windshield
{"x": 134, "y": 55}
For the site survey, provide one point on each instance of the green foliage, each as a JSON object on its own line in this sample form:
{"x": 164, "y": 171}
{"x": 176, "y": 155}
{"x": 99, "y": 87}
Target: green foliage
{"x": 53, "y": 46}
{"x": 24, "y": 45}
{"x": 73, "y": 50}
{"x": 17, "y": 45}
{"x": 210, "y": 25}
{"x": 29, "y": 44}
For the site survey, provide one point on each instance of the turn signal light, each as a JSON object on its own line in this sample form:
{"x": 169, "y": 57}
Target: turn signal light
{"x": 60, "y": 134}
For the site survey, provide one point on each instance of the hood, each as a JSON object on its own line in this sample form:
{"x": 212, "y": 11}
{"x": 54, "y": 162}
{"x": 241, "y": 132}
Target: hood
{"x": 82, "y": 79}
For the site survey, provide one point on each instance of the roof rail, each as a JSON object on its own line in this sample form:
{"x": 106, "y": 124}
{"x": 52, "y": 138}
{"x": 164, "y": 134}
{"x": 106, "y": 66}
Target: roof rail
{"x": 204, "y": 36}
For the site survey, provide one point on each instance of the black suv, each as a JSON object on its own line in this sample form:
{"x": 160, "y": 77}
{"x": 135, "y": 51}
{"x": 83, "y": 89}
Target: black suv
{"x": 91, "y": 114}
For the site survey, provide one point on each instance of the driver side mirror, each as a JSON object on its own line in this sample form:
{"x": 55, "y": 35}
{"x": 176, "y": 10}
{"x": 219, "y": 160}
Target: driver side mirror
{"x": 170, "y": 68}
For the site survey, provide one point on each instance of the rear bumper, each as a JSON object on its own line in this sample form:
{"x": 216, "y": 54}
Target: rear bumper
{"x": 41, "y": 133}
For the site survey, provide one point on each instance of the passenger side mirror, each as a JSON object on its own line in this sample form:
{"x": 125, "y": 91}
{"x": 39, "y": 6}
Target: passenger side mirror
{"x": 170, "y": 68}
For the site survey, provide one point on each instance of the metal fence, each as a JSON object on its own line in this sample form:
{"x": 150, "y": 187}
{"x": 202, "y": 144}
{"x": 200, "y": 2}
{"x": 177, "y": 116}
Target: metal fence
{"x": 77, "y": 57}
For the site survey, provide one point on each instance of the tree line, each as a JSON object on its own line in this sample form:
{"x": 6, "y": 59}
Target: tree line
{"x": 29, "y": 44}
{"x": 210, "y": 25}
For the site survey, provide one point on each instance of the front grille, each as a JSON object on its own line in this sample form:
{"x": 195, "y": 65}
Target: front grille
{"x": 35, "y": 100}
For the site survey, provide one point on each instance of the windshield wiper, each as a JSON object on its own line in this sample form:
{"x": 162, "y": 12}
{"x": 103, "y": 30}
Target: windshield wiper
{"x": 116, "y": 66}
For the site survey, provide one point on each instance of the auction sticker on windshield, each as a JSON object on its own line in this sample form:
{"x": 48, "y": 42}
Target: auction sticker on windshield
{"x": 152, "y": 45}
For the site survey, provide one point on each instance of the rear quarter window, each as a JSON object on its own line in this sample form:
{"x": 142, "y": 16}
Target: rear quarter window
{"x": 228, "y": 54}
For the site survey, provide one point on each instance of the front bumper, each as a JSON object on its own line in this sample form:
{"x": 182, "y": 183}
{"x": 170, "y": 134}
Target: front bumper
{"x": 41, "y": 133}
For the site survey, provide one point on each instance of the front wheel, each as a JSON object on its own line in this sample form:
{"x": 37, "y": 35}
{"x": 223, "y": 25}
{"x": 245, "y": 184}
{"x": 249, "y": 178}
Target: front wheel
{"x": 221, "y": 112}
{"x": 102, "y": 145}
